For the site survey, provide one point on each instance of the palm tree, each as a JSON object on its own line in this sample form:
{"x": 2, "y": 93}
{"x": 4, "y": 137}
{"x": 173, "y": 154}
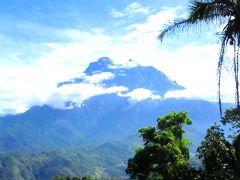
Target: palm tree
{"x": 212, "y": 12}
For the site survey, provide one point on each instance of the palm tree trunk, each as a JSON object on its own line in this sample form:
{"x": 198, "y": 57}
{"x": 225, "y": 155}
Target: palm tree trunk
{"x": 219, "y": 72}
{"x": 236, "y": 68}
{"x": 219, "y": 94}
{"x": 237, "y": 77}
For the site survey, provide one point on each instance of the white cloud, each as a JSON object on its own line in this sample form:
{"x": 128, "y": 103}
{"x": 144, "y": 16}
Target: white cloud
{"x": 131, "y": 10}
{"x": 116, "y": 13}
{"x": 156, "y": 21}
{"x": 77, "y": 93}
{"x": 192, "y": 65}
{"x": 98, "y": 78}
{"x": 140, "y": 94}
{"x": 129, "y": 64}
{"x": 23, "y": 87}
{"x": 137, "y": 8}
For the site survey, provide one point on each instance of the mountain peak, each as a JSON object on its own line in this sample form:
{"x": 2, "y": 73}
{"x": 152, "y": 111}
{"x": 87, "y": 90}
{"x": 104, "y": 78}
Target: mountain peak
{"x": 101, "y": 65}
{"x": 130, "y": 77}
{"x": 105, "y": 60}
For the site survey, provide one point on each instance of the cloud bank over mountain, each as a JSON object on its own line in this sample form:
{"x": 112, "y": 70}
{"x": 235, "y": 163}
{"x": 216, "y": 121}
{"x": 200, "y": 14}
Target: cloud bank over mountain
{"x": 136, "y": 83}
{"x": 38, "y": 52}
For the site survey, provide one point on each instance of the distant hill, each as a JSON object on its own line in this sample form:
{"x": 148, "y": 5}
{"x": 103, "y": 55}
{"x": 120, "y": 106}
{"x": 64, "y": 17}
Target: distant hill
{"x": 107, "y": 160}
{"x": 102, "y": 119}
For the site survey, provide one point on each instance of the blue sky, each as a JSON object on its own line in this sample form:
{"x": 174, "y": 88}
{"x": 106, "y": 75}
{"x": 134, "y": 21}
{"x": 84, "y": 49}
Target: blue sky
{"x": 49, "y": 41}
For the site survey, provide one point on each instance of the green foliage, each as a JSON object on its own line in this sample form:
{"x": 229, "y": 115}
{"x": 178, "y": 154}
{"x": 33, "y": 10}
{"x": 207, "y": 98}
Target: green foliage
{"x": 236, "y": 149}
{"x": 88, "y": 177}
{"x": 165, "y": 154}
{"x": 220, "y": 158}
{"x": 232, "y": 117}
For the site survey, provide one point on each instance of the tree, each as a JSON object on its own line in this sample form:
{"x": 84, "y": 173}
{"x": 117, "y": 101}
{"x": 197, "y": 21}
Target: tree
{"x": 165, "y": 154}
{"x": 87, "y": 177}
{"x": 232, "y": 117}
{"x": 215, "y": 11}
{"x": 218, "y": 156}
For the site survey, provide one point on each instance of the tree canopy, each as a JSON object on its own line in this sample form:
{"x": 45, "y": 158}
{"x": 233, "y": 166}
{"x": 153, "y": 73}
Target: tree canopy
{"x": 165, "y": 154}
{"x": 220, "y": 157}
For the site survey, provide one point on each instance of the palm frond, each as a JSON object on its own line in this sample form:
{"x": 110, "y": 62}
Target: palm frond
{"x": 171, "y": 28}
{"x": 199, "y": 12}
{"x": 211, "y": 12}
{"x": 205, "y": 10}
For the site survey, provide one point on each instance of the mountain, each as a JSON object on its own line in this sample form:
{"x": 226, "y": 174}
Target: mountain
{"x": 97, "y": 135}
{"x": 102, "y": 118}
{"x": 105, "y": 117}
